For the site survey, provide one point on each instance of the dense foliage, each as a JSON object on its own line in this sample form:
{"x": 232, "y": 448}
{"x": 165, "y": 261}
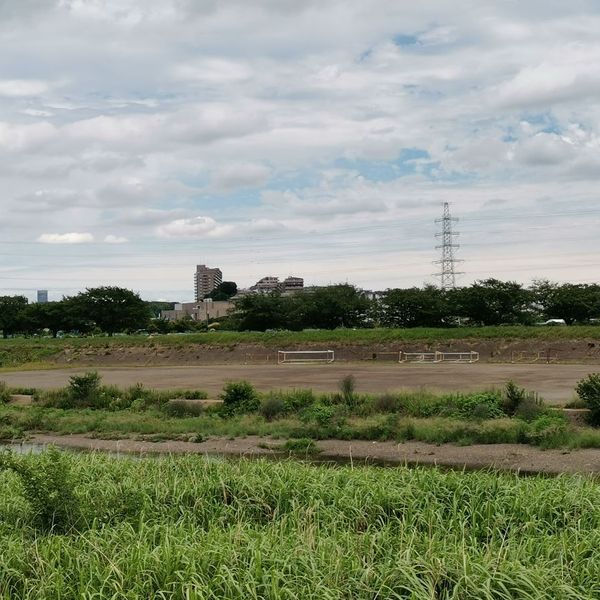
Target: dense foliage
{"x": 206, "y": 529}
{"x": 109, "y": 309}
{"x": 488, "y": 302}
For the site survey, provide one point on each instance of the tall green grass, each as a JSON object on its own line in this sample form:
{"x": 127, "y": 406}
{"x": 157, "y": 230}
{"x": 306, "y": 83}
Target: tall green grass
{"x": 188, "y": 528}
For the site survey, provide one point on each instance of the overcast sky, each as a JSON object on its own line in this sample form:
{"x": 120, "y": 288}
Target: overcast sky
{"x": 314, "y": 138}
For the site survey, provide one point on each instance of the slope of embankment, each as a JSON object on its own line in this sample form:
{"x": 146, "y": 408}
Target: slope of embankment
{"x": 494, "y": 344}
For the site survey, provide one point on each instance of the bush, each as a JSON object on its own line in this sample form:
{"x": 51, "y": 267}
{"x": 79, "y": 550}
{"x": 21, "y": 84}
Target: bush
{"x": 84, "y": 390}
{"x": 588, "y": 390}
{"x": 183, "y": 408}
{"x": 239, "y": 397}
{"x": 272, "y": 406}
{"x": 483, "y": 405}
{"x": 296, "y": 400}
{"x": 512, "y": 398}
{"x": 347, "y": 386}
{"x": 548, "y": 431}
{"x": 387, "y": 403}
{"x": 48, "y": 488}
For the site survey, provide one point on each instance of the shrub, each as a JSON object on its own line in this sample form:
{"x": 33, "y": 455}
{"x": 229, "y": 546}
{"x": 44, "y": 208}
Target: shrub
{"x": 48, "y": 488}
{"x": 386, "y": 403}
{"x": 296, "y": 400}
{"x": 548, "y": 431}
{"x": 588, "y": 390}
{"x": 347, "y": 386}
{"x": 272, "y": 406}
{"x": 512, "y": 398}
{"x": 183, "y": 408}
{"x": 239, "y": 397}
{"x": 53, "y": 398}
{"x": 483, "y": 405}
{"x": 84, "y": 390}
{"x": 319, "y": 413}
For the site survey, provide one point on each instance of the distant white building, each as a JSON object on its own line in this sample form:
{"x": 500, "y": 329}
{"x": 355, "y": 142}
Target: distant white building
{"x": 42, "y": 296}
{"x": 270, "y": 283}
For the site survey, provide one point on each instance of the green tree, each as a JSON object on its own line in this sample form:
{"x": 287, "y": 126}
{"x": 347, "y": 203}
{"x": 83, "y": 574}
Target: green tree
{"x": 12, "y": 310}
{"x": 492, "y": 302}
{"x": 413, "y": 307}
{"x": 258, "y": 312}
{"x": 224, "y": 291}
{"x": 341, "y": 305}
{"x": 571, "y": 302}
{"x": 40, "y": 316}
{"x": 112, "y": 309}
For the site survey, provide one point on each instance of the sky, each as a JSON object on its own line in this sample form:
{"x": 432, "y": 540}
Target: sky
{"x": 139, "y": 138}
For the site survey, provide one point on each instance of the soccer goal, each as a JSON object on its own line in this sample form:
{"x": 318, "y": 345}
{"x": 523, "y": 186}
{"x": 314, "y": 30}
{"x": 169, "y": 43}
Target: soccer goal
{"x": 460, "y": 357}
{"x": 305, "y": 356}
{"x": 420, "y": 357}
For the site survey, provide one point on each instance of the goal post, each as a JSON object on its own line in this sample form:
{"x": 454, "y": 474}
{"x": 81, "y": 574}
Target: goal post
{"x": 469, "y": 356}
{"x": 286, "y": 357}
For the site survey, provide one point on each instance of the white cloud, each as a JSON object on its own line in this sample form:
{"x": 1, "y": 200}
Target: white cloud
{"x": 115, "y": 239}
{"x": 22, "y": 87}
{"x": 278, "y": 118}
{"x": 194, "y": 227}
{"x": 241, "y": 175}
{"x": 65, "y": 238}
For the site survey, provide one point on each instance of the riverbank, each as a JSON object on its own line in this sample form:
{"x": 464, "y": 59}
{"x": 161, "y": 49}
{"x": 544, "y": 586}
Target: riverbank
{"x": 504, "y": 457}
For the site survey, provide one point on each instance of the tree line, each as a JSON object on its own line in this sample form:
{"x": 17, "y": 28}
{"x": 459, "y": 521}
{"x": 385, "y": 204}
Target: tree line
{"x": 485, "y": 302}
{"x": 105, "y": 309}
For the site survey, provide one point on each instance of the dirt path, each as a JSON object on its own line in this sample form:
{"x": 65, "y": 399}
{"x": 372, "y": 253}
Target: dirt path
{"x": 554, "y": 382}
{"x": 506, "y": 457}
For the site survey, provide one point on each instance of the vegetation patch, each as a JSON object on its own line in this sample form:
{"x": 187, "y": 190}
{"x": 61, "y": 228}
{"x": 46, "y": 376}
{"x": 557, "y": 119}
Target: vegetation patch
{"x": 79, "y": 525}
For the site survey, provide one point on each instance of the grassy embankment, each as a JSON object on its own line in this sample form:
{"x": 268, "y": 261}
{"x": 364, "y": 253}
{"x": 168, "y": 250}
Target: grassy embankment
{"x": 185, "y": 527}
{"x": 512, "y": 416}
{"x": 40, "y": 351}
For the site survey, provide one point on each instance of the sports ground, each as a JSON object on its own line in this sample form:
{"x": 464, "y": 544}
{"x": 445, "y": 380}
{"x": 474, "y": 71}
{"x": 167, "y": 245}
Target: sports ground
{"x": 555, "y": 383}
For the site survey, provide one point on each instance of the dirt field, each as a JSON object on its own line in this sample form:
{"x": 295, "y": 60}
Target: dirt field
{"x": 554, "y": 382}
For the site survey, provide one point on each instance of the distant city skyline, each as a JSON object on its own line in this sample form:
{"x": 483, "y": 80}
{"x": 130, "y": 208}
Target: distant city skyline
{"x": 310, "y": 138}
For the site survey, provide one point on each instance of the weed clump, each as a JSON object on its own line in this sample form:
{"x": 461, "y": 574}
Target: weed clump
{"x": 48, "y": 488}
{"x": 588, "y": 390}
{"x": 239, "y": 397}
{"x": 300, "y": 446}
{"x": 183, "y": 408}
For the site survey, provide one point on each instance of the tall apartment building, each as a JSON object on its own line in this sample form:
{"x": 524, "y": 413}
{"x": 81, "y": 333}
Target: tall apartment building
{"x": 206, "y": 280}
{"x": 42, "y": 296}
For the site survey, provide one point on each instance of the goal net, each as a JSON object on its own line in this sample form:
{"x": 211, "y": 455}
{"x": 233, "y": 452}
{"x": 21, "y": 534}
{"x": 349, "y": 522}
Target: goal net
{"x": 439, "y": 357}
{"x": 305, "y": 356}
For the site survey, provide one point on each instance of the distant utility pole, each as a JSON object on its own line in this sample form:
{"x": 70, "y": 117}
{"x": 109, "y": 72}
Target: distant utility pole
{"x": 448, "y": 261}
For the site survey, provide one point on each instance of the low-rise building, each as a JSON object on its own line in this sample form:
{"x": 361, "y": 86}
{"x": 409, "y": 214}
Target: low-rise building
{"x": 199, "y": 311}
{"x": 271, "y": 283}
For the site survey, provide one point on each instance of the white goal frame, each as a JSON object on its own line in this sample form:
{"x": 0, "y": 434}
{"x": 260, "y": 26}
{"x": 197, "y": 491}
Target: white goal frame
{"x": 439, "y": 357}
{"x": 286, "y": 357}
{"x": 420, "y": 357}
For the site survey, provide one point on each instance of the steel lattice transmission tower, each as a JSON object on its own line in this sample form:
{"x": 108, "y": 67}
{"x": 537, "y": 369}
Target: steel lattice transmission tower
{"x": 448, "y": 247}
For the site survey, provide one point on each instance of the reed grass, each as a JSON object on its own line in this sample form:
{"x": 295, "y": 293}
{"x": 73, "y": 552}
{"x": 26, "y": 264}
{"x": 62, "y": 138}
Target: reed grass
{"x": 190, "y": 528}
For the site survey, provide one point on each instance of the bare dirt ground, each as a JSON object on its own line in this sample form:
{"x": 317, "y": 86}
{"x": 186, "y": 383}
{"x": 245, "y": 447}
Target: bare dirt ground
{"x": 554, "y": 382}
{"x": 505, "y": 457}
